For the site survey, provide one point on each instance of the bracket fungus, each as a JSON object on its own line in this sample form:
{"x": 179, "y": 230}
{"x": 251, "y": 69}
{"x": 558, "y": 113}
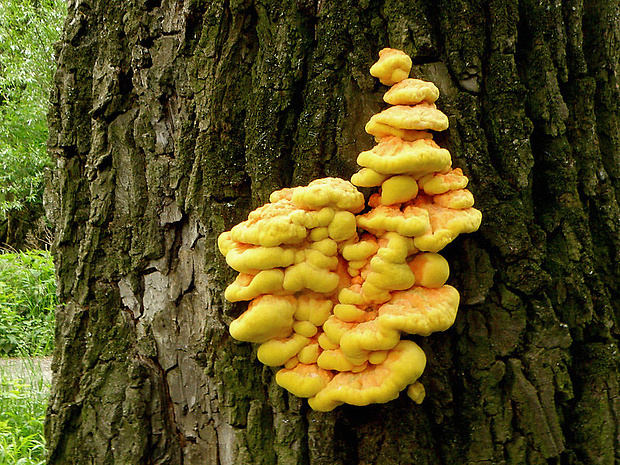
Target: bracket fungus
{"x": 333, "y": 291}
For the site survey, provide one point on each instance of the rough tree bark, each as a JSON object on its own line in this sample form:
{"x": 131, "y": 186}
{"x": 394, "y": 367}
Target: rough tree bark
{"x": 171, "y": 120}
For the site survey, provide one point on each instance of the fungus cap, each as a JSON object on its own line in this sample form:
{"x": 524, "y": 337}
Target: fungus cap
{"x": 277, "y": 352}
{"x": 352, "y": 295}
{"x": 318, "y": 234}
{"x": 304, "y": 275}
{"x": 440, "y": 183}
{"x": 398, "y": 189}
{"x": 389, "y": 275}
{"x": 367, "y": 177}
{"x": 342, "y": 227}
{"x": 334, "y": 328}
{"x": 310, "y": 353}
{"x": 421, "y": 117}
{"x": 334, "y": 360}
{"x": 377, "y": 383}
{"x": 311, "y": 219}
{"x": 305, "y": 328}
{"x": 303, "y": 380}
{"x": 411, "y": 92}
{"x": 225, "y": 243}
{"x": 395, "y": 248}
{"x": 267, "y": 317}
{"x": 317, "y": 258}
{"x": 420, "y": 310}
{"x": 393, "y": 66}
{"x": 326, "y": 246}
{"x": 313, "y": 307}
{"x": 329, "y": 192}
{"x": 325, "y": 343}
{"x": 247, "y": 286}
{"x": 445, "y": 224}
{"x": 375, "y": 294}
{"x": 270, "y": 225}
{"x": 364, "y": 248}
{"x": 367, "y": 337}
{"x": 457, "y": 200}
{"x": 349, "y": 312}
{"x": 249, "y": 259}
{"x": 430, "y": 269}
{"x": 378, "y": 356}
{"x": 390, "y": 218}
{"x": 416, "y": 392}
{"x": 382, "y": 130}
{"x": 396, "y": 156}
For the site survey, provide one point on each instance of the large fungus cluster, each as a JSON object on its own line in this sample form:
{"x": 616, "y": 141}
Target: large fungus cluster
{"x": 332, "y": 290}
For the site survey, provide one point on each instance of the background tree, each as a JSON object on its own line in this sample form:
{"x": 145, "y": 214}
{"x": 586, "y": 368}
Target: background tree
{"x": 171, "y": 120}
{"x": 28, "y": 29}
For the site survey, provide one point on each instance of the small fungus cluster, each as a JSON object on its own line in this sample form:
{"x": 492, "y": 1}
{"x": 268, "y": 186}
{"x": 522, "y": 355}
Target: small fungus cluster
{"x": 332, "y": 290}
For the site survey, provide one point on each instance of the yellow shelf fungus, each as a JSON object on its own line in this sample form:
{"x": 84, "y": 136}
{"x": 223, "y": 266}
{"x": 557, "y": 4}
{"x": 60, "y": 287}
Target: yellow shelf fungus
{"x": 422, "y": 116}
{"x": 393, "y": 66}
{"x": 398, "y": 189}
{"x": 267, "y": 317}
{"x": 332, "y": 290}
{"x": 411, "y": 92}
{"x": 377, "y": 383}
{"x": 397, "y": 156}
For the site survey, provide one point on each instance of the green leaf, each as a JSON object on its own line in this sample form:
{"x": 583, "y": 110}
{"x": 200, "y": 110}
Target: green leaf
{"x": 28, "y": 30}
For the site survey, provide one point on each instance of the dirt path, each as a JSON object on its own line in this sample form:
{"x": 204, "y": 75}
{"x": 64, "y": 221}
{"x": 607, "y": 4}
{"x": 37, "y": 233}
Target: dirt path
{"x": 26, "y": 368}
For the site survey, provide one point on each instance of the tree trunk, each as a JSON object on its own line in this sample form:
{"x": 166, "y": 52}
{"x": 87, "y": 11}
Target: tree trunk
{"x": 171, "y": 121}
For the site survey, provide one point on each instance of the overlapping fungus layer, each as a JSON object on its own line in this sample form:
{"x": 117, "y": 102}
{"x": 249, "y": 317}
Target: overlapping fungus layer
{"x": 332, "y": 290}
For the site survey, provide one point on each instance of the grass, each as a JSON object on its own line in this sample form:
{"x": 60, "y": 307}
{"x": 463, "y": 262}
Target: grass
{"x": 23, "y": 400}
{"x": 27, "y": 307}
{"x": 27, "y": 303}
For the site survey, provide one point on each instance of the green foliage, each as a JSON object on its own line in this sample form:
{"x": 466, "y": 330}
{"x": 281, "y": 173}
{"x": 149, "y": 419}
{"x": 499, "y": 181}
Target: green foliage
{"x": 23, "y": 400}
{"x": 28, "y": 30}
{"x": 27, "y": 303}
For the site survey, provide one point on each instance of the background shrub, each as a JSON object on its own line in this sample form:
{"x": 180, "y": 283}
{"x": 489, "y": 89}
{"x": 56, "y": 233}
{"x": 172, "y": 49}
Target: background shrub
{"x": 27, "y": 303}
{"x": 23, "y": 401}
{"x": 28, "y": 31}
